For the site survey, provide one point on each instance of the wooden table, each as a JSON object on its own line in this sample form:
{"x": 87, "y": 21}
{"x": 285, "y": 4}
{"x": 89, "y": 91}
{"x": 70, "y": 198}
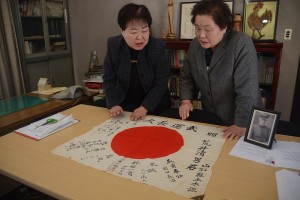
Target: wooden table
{"x": 22, "y": 117}
{"x": 32, "y": 163}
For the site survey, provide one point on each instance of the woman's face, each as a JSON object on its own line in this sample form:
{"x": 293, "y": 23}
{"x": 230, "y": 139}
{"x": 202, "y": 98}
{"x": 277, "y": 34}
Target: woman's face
{"x": 136, "y": 34}
{"x": 208, "y": 32}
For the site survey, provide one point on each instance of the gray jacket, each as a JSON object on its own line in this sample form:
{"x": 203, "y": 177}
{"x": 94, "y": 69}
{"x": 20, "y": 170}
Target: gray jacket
{"x": 230, "y": 86}
{"x": 153, "y": 68}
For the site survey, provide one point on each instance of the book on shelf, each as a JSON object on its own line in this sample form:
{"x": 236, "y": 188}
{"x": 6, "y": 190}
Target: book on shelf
{"x": 269, "y": 70}
{"x": 30, "y": 5}
{"x": 266, "y": 97}
{"x": 47, "y": 126}
{"x": 266, "y": 68}
{"x": 174, "y": 85}
{"x": 27, "y": 47}
{"x": 54, "y": 8}
{"x": 36, "y": 8}
{"x": 30, "y": 8}
{"x": 177, "y": 57}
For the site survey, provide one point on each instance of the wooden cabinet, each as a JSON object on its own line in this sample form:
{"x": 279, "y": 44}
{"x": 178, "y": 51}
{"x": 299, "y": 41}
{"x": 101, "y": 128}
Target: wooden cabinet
{"x": 269, "y": 55}
{"x": 42, "y": 30}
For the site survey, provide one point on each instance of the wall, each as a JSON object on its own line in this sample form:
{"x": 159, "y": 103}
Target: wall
{"x": 288, "y": 17}
{"x": 92, "y": 23}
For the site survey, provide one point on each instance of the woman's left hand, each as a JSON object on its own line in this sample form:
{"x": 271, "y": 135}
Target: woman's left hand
{"x": 139, "y": 113}
{"x": 233, "y": 132}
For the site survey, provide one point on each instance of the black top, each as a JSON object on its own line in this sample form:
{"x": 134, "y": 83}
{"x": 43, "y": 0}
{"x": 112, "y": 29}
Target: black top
{"x": 153, "y": 68}
{"x": 136, "y": 92}
{"x": 208, "y": 56}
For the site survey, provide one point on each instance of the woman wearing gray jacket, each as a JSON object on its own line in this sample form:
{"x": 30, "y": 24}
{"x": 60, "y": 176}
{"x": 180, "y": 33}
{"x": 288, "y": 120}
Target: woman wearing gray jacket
{"x": 222, "y": 64}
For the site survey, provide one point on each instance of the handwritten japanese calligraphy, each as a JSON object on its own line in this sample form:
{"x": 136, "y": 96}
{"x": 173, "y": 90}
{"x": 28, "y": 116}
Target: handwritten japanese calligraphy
{"x": 186, "y": 172}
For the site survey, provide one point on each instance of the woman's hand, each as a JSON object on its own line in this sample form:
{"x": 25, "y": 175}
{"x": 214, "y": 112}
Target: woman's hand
{"x": 115, "y": 111}
{"x": 139, "y": 113}
{"x": 185, "y": 108}
{"x": 233, "y": 132}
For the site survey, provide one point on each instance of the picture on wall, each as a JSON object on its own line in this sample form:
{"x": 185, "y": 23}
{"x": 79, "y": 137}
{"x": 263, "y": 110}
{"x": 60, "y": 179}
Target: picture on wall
{"x": 260, "y": 19}
{"x": 187, "y": 29}
{"x": 262, "y": 127}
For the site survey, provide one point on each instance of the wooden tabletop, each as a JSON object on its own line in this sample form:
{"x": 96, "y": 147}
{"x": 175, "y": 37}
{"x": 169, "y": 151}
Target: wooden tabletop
{"x": 32, "y": 163}
{"x": 14, "y": 120}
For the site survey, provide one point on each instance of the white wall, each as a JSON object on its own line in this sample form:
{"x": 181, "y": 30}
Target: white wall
{"x": 93, "y": 21}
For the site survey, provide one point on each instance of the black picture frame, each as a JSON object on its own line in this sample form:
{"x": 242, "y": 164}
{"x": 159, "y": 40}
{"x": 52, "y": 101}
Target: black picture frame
{"x": 260, "y": 19}
{"x": 186, "y": 28}
{"x": 262, "y": 127}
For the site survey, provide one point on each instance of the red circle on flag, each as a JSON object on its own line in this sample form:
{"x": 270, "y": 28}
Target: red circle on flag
{"x": 147, "y": 142}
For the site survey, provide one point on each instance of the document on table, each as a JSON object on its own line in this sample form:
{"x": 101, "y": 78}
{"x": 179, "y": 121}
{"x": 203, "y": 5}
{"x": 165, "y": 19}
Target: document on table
{"x": 282, "y": 154}
{"x": 288, "y": 185}
{"x": 287, "y": 155}
{"x": 47, "y": 126}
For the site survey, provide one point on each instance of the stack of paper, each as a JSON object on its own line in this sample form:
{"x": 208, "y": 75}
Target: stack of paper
{"x": 46, "y": 126}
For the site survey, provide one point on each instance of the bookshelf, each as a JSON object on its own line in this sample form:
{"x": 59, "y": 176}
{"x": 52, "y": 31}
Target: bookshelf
{"x": 269, "y": 55}
{"x": 42, "y": 31}
{"x": 177, "y": 51}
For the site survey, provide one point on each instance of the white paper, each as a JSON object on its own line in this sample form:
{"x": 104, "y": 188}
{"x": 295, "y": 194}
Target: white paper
{"x": 39, "y": 129}
{"x": 287, "y": 155}
{"x": 283, "y": 154}
{"x": 252, "y": 152}
{"x": 288, "y": 183}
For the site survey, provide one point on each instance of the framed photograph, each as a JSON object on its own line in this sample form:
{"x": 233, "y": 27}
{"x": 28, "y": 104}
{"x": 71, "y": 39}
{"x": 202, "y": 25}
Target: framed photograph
{"x": 187, "y": 29}
{"x": 262, "y": 127}
{"x": 260, "y": 19}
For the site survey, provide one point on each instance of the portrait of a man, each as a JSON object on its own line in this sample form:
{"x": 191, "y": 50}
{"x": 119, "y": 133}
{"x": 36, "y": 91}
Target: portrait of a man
{"x": 262, "y": 127}
{"x": 260, "y": 130}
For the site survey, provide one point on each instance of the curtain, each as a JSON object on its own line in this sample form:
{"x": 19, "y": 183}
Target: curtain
{"x": 11, "y": 77}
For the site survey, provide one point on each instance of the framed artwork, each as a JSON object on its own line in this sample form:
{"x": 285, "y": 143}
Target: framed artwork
{"x": 260, "y": 19}
{"x": 187, "y": 29}
{"x": 262, "y": 127}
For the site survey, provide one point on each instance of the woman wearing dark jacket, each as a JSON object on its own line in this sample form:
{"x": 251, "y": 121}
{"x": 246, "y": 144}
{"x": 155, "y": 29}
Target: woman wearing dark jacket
{"x": 136, "y": 67}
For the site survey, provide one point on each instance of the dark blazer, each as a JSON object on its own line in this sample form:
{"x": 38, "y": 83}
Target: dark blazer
{"x": 230, "y": 87}
{"x": 153, "y": 67}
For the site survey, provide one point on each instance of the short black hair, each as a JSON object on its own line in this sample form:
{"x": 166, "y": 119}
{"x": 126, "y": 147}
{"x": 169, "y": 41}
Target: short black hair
{"x": 219, "y": 11}
{"x": 133, "y": 11}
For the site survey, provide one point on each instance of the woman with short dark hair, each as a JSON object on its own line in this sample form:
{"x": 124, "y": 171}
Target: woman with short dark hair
{"x": 136, "y": 67}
